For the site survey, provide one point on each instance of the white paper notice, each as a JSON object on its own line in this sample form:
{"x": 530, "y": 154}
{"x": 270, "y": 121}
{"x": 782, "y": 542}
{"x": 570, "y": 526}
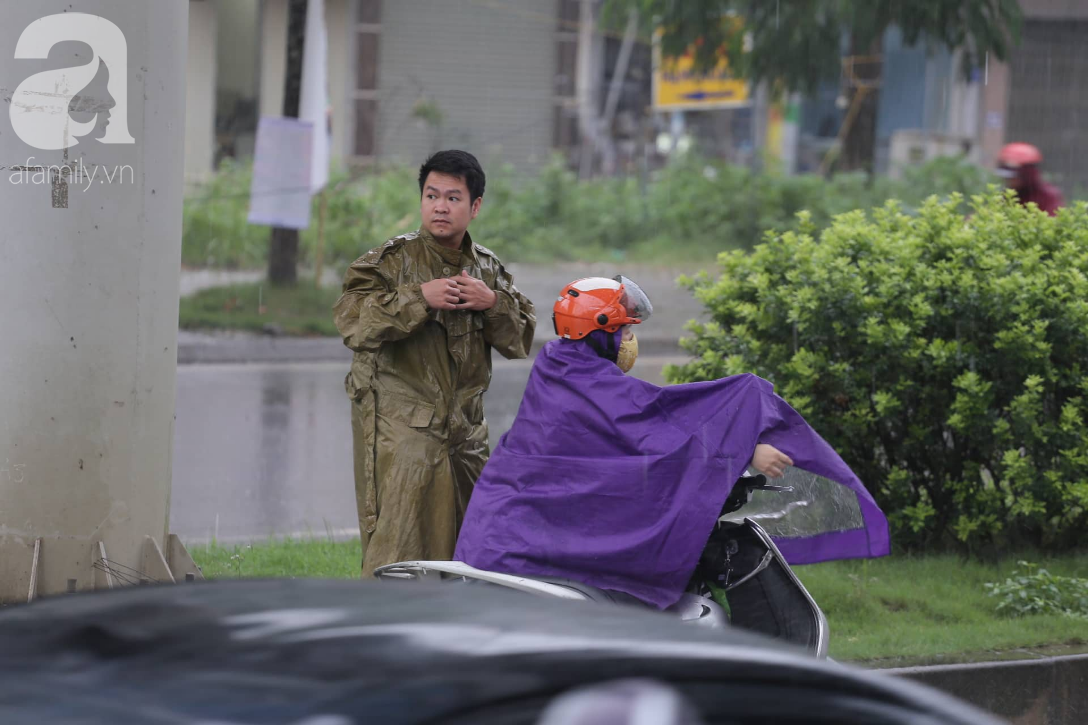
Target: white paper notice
{"x": 280, "y": 193}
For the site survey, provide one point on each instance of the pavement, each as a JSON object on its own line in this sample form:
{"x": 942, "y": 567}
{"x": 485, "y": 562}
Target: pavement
{"x": 245, "y": 347}
{"x": 264, "y": 449}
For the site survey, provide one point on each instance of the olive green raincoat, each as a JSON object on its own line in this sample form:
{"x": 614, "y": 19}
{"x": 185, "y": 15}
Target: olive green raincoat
{"x": 417, "y": 388}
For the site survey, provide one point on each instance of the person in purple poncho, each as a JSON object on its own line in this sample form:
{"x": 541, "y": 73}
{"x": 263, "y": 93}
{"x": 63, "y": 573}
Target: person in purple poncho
{"x": 615, "y": 482}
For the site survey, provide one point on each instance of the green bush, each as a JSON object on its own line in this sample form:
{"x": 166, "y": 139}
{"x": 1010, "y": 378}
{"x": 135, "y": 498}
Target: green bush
{"x": 553, "y": 217}
{"x": 216, "y": 233}
{"x": 1037, "y": 591}
{"x": 945, "y": 359}
{"x": 362, "y": 213}
{"x": 690, "y": 210}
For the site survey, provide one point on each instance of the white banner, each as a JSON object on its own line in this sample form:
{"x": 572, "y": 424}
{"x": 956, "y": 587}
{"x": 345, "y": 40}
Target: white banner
{"x": 282, "y": 173}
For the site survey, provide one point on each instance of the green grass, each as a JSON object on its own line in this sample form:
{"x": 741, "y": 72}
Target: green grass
{"x": 285, "y": 558}
{"x": 897, "y": 611}
{"x": 904, "y": 610}
{"x": 298, "y": 310}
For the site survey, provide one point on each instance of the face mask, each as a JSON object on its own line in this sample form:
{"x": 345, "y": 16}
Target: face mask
{"x": 628, "y": 354}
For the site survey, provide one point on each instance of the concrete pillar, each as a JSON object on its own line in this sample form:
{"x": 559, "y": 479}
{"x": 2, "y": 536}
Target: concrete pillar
{"x": 995, "y": 110}
{"x": 964, "y": 99}
{"x": 761, "y": 103}
{"x": 339, "y": 19}
{"x": 273, "y": 41}
{"x": 89, "y": 264}
{"x": 200, "y": 75}
{"x": 791, "y": 133}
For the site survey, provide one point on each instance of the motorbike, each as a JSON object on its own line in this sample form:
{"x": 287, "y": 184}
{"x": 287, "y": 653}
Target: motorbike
{"x": 741, "y": 579}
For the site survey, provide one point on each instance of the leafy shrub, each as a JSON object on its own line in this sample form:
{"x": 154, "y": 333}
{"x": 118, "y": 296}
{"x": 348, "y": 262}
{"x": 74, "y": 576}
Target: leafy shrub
{"x": 215, "y": 232}
{"x": 553, "y": 216}
{"x": 691, "y": 210}
{"x": 1037, "y": 591}
{"x": 362, "y": 213}
{"x": 946, "y": 360}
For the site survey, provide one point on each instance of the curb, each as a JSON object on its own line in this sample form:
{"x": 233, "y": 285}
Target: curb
{"x": 1043, "y": 691}
{"x": 262, "y": 350}
{"x": 212, "y": 349}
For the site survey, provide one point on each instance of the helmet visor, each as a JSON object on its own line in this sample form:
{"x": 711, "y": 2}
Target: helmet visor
{"x": 635, "y": 300}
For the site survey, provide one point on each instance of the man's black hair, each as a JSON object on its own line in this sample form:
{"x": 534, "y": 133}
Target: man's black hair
{"x": 455, "y": 163}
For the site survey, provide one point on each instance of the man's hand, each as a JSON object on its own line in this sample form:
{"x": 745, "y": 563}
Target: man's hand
{"x": 474, "y": 294}
{"x": 770, "y": 461}
{"x": 441, "y": 294}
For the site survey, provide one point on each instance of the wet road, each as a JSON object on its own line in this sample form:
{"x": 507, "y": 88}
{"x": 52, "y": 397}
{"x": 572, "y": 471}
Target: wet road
{"x": 265, "y": 449}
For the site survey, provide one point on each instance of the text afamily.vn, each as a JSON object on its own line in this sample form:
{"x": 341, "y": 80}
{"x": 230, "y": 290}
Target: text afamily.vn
{"x": 77, "y": 174}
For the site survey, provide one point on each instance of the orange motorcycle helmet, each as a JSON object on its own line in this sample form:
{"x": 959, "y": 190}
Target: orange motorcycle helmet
{"x": 599, "y": 303}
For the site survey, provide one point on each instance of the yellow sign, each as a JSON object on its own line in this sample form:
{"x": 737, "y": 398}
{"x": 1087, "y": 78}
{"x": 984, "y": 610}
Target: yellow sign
{"x": 677, "y": 87}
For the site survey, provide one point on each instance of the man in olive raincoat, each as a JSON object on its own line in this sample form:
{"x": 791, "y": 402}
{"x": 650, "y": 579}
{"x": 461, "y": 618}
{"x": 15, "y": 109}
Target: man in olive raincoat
{"x": 422, "y": 313}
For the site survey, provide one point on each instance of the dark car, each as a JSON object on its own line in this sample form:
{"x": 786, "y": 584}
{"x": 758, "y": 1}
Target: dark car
{"x": 339, "y": 652}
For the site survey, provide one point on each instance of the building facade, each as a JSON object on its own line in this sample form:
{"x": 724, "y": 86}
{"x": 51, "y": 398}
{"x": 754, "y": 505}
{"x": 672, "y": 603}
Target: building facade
{"x": 406, "y": 78}
{"x": 498, "y": 77}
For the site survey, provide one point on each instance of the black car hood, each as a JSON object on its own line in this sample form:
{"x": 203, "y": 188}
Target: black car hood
{"x": 282, "y": 651}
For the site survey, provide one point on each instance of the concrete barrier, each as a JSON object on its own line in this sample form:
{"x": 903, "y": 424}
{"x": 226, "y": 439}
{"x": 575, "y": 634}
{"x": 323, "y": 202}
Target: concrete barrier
{"x": 1044, "y": 691}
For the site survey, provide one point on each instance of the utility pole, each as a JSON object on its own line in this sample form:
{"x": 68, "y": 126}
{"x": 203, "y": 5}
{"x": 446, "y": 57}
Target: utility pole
{"x": 619, "y": 74}
{"x": 586, "y": 81}
{"x": 283, "y": 244}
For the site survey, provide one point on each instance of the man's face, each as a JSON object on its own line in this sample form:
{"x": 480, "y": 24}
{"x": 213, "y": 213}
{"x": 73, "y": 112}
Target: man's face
{"x": 445, "y": 208}
{"x": 1014, "y": 179}
{"x": 1015, "y": 176}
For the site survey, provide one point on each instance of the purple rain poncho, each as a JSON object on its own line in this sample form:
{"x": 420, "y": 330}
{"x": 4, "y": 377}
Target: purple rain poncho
{"x": 612, "y": 481}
